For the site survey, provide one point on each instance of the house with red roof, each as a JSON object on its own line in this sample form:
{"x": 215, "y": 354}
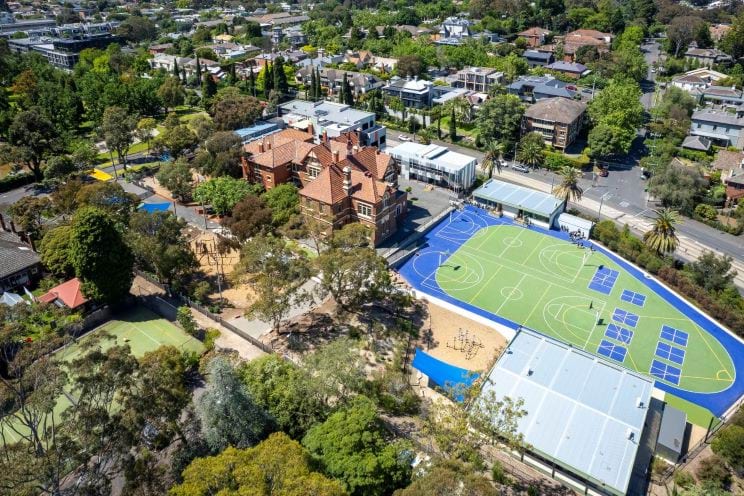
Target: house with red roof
{"x": 68, "y": 294}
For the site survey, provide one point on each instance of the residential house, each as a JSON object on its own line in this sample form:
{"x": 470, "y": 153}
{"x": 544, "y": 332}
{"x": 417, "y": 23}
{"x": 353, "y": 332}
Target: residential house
{"x": 559, "y": 120}
{"x": 723, "y": 128}
{"x": 479, "y": 79}
{"x": 531, "y": 89}
{"x": 722, "y": 96}
{"x": 534, "y": 36}
{"x": 330, "y": 119}
{"x": 718, "y": 31}
{"x": 698, "y": 143}
{"x": 706, "y": 56}
{"x": 277, "y": 158}
{"x": 159, "y": 48}
{"x": 414, "y": 93}
{"x": 734, "y": 182}
{"x": 696, "y": 80}
{"x": 456, "y": 27}
{"x": 332, "y": 80}
{"x": 68, "y": 294}
{"x": 19, "y": 264}
{"x": 573, "y": 70}
{"x": 188, "y": 64}
{"x": 575, "y": 40}
{"x": 414, "y": 30}
{"x": 731, "y": 165}
{"x": 536, "y": 58}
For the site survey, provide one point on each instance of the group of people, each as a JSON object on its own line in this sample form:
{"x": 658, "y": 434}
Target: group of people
{"x": 577, "y": 238}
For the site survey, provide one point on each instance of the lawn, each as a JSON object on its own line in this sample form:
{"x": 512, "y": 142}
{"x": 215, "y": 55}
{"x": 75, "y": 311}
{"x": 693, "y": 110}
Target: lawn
{"x": 140, "y": 328}
{"x": 527, "y": 277}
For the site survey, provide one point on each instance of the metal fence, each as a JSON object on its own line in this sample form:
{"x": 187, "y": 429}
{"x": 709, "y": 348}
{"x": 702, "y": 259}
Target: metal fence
{"x": 168, "y": 306}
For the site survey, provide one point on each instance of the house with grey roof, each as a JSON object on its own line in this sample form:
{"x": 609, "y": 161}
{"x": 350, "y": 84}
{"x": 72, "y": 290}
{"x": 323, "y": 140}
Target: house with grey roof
{"x": 536, "y": 58}
{"x": 531, "y": 89}
{"x": 721, "y": 127}
{"x": 558, "y": 120}
{"x": 722, "y": 96}
{"x": 698, "y": 143}
{"x": 571, "y": 69}
{"x": 706, "y": 56}
{"x": 414, "y": 93}
{"x": 19, "y": 264}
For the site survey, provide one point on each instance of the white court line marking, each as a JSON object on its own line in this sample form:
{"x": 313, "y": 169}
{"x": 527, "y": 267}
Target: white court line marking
{"x": 507, "y": 299}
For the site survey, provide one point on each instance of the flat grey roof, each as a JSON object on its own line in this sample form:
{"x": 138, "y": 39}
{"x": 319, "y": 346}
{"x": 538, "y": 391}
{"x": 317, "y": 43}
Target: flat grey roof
{"x": 518, "y": 196}
{"x": 584, "y": 412}
{"x": 672, "y": 430}
{"x": 440, "y": 155}
{"x": 325, "y": 110}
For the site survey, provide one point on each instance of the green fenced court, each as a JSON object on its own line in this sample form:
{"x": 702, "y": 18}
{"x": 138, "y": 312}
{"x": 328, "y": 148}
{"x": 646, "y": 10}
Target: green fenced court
{"x": 140, "y": 328}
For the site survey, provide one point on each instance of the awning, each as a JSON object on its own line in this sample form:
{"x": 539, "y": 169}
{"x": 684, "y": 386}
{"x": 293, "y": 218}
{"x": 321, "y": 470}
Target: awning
{"x": 443, "y": 374}
{"x": 155, "y": 207}
{"x": 99, "y": 175}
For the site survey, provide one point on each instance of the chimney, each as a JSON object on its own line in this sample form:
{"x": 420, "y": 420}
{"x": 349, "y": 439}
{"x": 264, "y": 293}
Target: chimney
{"x": 355, "y": 149}
{"x": 310, "y": 129}
{"x": 347, "y": 180}
{"x": 324, "y": 138}
{"x": 336, "y": 157}
{"x": 244, "y": 167}
{"x": 261, "y": 147}
{"x": 349, "y": 147}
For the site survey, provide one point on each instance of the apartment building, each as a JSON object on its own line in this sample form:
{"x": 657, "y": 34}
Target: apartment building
{"x": 480, "y": 79}
{"x": 558, "y": 120}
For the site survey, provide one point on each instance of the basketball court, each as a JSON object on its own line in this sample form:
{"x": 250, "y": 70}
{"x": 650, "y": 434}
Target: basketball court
{"x": 579, "y": 293}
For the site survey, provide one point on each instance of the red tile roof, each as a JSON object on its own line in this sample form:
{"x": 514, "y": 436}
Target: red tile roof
{"x": 70, "y": 293}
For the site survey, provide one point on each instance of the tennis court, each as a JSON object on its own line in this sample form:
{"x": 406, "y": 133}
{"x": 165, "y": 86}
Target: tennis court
{"x": 140, "y": 328}
{"x": 587, "y": 297}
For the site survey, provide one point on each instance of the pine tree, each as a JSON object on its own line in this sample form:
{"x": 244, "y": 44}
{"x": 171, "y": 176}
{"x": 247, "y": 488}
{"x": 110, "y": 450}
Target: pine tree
{"x": 198, "y": 70}
{"x": 268, "y": 80}
{"x": 348, "y": 95}
{"x": 452, "y": 126}
{"x": 313, "y": 96}
{"x": 209, "y": 88}
{"x": 252, "y": 81}
{"x": 183, "y": 75}
{"x": 176, "y": 72}
{"x": 280, "y": 77}
{"x": 318, "y": 90}
{"x": 232, "y": 77}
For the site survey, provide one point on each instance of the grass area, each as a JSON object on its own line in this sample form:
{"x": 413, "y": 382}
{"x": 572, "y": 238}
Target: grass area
{"x": 542, "y": 282}
{"x": 696, "y": 414}
{"x": 140, "y": 328}
{"x": 5, "y": 169}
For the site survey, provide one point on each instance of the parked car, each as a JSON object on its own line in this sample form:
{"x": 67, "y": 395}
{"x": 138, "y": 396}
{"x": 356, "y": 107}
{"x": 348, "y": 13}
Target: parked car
{"x": 521, "y": 168}
{"x": 403, "y": 137}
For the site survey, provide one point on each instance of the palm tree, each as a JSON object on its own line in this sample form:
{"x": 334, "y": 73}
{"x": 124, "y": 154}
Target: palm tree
{"x": 531, "y": 149}
{"x": 568, "y": 188}
{"x": 492, "y": 158}
{"x": 662, "y": 237}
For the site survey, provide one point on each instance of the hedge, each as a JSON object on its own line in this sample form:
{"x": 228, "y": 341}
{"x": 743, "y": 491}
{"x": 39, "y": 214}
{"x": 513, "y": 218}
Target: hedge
{"x": 631, "y": 248}
{"x": 557, "y": 160}
{"x": 15, "y": 181}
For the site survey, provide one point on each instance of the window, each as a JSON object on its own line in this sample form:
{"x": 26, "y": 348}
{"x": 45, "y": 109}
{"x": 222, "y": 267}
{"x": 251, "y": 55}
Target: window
{"x": 364, "y": 210}
{"x": 313, "y": 171}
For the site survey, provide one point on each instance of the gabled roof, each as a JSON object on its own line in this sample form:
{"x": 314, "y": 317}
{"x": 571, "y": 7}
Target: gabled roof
{"x": 15, "y": 256}
{"x": 591, "y": 33}
{"x": 369, "y": 159}
{"x": 572, "y": 67}
{"x": 277, "y": 139}
{"x": 68, "y": 293}
{"x": 696, "y": 143}
{"x": 328, "y": 187}
{"x": 534, "y": 32}
{"x": 728, "y": 160}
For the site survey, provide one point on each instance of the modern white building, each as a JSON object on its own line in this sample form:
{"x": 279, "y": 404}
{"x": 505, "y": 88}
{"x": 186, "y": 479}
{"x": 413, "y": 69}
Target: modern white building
{"x": 435, "y": 164}
{"x": 330, "y": 119}
{"x": 519, "y": 202}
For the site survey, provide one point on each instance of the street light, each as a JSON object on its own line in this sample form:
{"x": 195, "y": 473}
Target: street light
{"x": 601, "y": 200}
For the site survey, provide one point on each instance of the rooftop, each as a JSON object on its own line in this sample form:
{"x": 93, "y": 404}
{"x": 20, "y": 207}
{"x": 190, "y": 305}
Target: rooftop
{"x": 518, "y": 196}
{"x": 444, "y": 157}
{"x": 14, "y": 255}
{"x": 717, "y": 117}
{"x": 558, "y": 109}
{"x": 584, "y": 412}
{"x": 325, "y": 110}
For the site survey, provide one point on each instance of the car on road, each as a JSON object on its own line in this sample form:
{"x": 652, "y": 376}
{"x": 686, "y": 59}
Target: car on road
{"x": 653, "y": 71}
{"x": 403, "y": 137}
{"x": 604, "y": 172}
{"x": 521, "y": 168}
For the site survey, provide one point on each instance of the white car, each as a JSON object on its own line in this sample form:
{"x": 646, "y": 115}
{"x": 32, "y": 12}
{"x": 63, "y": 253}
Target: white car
{"x": 403, "y": 137}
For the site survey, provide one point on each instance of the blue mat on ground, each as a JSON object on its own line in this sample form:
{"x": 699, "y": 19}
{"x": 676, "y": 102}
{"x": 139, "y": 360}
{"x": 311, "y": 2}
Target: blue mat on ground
{"x": 671, "y": 353}
{"x": 442, "y": 373}
{"x": 603, "y": 280}
{"x": 155, "y": 207}
{"x": 612, "y": 350}
{"x": 633, "y": 297}
{"x": 674, "y": 335}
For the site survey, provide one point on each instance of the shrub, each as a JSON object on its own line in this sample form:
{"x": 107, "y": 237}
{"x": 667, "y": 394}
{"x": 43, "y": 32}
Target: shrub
{"x": 15, "y": 181}
{"x": 210, "y": 338}
{"x": 713, "y": 471}
{"x": 706, "y": 211}
{"x": 186, "y": 320}
{"x": 683, "y": 479}
{"x": 498, "y": 473}
{"x": 729, "y": 445}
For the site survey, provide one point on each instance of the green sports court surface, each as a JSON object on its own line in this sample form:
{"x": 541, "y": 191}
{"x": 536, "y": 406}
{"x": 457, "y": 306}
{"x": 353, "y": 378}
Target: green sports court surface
{"x": 529, "y": 277}
{"x": 139, "y": 328}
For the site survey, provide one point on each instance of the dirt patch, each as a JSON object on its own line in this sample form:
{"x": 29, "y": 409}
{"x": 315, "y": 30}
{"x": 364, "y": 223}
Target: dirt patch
{"x": 460, "y": 341}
